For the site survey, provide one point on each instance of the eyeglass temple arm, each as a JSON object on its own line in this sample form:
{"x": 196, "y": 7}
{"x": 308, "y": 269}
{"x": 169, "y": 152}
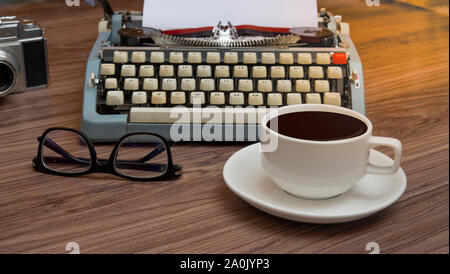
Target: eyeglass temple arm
{"x": 56, "y": 148}
{"x": 159, "y": 149}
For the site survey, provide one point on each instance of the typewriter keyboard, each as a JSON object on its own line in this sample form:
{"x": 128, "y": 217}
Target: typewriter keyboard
{"x": 148, "y": 84}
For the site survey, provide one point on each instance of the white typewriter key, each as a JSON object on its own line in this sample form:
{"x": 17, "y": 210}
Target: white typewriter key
{"x": 146, "y": 71}
{"x": 188, "y": 84}
{"x": 159, "y": 98}
{"x": 207, "y": 84}
{"x": 315, "y": 72}
{"x": 194, "y": 57}
{"x": 334, "y": 72}
{"x": 302, "y": 86}
{"x": 293, "y": 98}
{"x": 128, "y": 70}
{"x": 204, "y": 71}
{"x": 296, "y": 72}
{"x": 131, "y": 84}
{"x": 139, "y": 97}
{"x": 245, "y": 85}
{"x": 150, "y": 84}
{"x": 259, "y": 72}
{"x": 185, "y": 71}
{"x": 304, "y": 58}
{"x": 277, "y": 72}
{"x": 176, "y": 57}
{"x": 284, "y": 86}
{"x": 222, "y": 72}
{"x": 120, "y": 57}
{"x": 177, "y": 98}
{"x": 313, "y": 98}
{"x": 197, "y": 98}
{"x": 226, "y": 85}
{"x": 169, "y": 84}
{"x": 138, "y": 57}
{"x": 111, "y": 83}
{"x": 268, "y": 58}
{"x": 255, "y": 99}
{"x": 249, "y": 58}
{"x": 286, "y": 58}
{"x": 236, "y": 98}
{"x": 114, "y": 98}
{"x": 157, "y": 57}
{"x": 264, "y": 85}
{"x": 107, "y": 69}
{"x": 240, "y": 72}
{"x": 230, "y": 58}
{"x": 332, "y": 98}
{"x": 166, "y": 71}
{"x": 274, "y": 99}
{"x": 321, "y": 86}
{"x": 217, "y": 98}
{"x": 213, "y": 57}
{"x": 323, "y": 58}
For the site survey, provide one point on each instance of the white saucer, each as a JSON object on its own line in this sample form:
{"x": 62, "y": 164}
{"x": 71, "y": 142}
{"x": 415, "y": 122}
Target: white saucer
{"x": 243, "y": 175}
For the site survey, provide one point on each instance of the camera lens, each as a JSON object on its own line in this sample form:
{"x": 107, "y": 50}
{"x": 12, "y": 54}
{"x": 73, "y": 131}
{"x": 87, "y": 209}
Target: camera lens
{"x": 6, "y": 78}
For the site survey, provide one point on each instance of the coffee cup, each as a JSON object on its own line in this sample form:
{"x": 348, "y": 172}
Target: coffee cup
{"x": 320, "y": 151}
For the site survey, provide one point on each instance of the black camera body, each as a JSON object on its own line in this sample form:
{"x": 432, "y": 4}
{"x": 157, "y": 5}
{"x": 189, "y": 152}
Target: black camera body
{"x": 23, "y": 56}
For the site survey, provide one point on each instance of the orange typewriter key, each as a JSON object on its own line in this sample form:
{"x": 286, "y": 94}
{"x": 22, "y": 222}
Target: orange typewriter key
{"x": 339, "y": 58}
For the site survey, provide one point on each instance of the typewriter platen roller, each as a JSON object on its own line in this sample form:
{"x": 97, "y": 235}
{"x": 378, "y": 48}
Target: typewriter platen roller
{"x": 138, "y": 77}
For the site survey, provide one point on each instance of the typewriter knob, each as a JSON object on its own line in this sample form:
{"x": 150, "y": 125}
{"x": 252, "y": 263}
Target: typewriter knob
{"x": 344, "y": 28}
{"x": 103, "y": 26}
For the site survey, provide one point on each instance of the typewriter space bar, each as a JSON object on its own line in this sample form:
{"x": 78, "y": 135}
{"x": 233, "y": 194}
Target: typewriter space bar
{"x": 186, "y": 115}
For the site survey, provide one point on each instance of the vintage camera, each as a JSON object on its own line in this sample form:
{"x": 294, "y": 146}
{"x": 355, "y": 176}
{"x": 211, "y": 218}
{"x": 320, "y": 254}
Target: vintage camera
{"x": 23, "y": 56}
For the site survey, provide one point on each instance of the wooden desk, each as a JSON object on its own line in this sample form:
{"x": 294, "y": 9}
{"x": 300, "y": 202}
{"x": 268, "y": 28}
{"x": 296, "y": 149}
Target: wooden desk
{"x": 405, "y": 56}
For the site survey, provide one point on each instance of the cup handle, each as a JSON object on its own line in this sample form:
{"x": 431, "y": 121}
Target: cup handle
{"x": 395, "y": 144}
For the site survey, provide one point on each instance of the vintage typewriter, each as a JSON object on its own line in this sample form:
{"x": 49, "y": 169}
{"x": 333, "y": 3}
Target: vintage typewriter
{"x": 143, "y": 80}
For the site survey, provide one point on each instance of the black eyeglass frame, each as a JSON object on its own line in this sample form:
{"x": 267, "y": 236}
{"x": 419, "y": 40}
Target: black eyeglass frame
{"x": 106, "y": 165}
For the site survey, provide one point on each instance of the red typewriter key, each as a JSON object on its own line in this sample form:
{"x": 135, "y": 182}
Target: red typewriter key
{"x": 340, "y": 58}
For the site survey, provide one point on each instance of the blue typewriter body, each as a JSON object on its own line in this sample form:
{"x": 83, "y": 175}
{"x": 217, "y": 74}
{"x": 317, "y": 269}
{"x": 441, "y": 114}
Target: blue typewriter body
{"x": 101, "y": 126}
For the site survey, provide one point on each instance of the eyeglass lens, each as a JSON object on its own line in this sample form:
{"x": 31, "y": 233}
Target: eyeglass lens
{"x": 65, "y": 151}
{"x": 141, "y": 156}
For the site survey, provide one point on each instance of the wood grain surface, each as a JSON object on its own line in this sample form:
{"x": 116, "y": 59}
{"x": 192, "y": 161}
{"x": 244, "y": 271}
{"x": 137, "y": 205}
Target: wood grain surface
{"x": 404, "y": 51}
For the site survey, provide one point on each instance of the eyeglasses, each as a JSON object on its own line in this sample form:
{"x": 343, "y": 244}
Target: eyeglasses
{"x": 136, "y": 156}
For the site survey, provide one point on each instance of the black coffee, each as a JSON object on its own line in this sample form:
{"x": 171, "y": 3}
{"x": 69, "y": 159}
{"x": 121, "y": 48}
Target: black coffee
{"x": 319, "y": 126}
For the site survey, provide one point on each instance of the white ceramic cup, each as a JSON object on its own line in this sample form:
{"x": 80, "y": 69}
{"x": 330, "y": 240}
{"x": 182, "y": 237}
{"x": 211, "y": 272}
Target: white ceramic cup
{"x": 321, "y": 169}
